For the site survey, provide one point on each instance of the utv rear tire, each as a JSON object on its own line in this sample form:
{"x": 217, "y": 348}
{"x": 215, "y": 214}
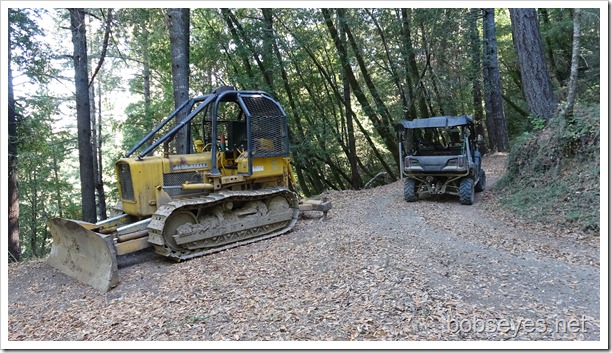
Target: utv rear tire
{"x": 466, "y": 191}
{"x": 409, "y": 190}
{"x": 482, "y": 182}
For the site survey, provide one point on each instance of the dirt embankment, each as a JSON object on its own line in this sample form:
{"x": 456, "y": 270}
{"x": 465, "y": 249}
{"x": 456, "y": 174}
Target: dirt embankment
{"x": 378, "y": 269}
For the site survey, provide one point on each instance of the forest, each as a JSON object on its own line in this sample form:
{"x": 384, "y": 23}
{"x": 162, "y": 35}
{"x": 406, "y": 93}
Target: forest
{"x": 85, "y": 85}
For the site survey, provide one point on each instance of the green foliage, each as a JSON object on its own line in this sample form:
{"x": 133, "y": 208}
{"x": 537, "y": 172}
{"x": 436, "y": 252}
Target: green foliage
{"x": 537, "y": 123}
{"x": 556, "y": 28}
{"x": 553, "y": 173}
{"x": 311, "y": 92}
{"x": 44, "y": 188}
{"x": 29, "y": 54}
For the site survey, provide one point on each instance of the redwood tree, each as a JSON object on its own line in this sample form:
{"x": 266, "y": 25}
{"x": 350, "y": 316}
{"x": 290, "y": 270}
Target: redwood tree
{"x": 79, "y": 41}
{"x": 178, "y": 27}
{"x": 496, "y": 120}
{"x": 535, "y": 80}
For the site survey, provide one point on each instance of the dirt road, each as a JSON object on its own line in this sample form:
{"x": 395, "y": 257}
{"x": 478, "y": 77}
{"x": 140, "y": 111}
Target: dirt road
{"x": 378, "y": 269}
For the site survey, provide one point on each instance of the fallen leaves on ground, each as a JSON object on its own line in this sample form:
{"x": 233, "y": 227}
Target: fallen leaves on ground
{"x": 378, "y": 269}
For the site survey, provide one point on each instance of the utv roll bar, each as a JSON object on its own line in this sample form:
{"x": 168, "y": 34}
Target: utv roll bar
{"x": 436, "y": 121}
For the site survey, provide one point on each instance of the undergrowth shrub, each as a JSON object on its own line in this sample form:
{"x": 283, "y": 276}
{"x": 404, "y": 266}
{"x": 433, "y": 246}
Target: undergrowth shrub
{"x": 553, "y": 172}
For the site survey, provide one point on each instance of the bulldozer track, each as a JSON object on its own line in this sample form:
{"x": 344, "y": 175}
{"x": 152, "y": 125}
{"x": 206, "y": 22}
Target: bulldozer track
{"x": 203, "y": 233}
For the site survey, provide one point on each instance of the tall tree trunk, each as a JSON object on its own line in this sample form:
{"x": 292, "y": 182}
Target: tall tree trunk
{"x": 429, "y": 69}
{"x": 549, "y": 47}
{"x": 365, "y": 132}
{"x": 268, "y": 48}
{"x": 475, "y": 71}
{"x": 58, "y": 192}
{"x": 146, "y": 73}
{"x": 109, "y": 20}
{"x": 34, "y": 214}
{"x": 268, "y": 16}
{"x": 411, "y": 64}
{"x": 100, "y": 173}
{"x": 79, "y": 40}
{"x": 94, "y": 140}
{"x": 246, "y": 40}
{"x": 350, "y": 132}
{"x": 391, "y": 64}
{"x": 13, "y": 185}
{"x": 537, "y": 86}
{"x": 241, "y": 49}
{"x": 381, "y": 127}
{"x": 567, "y": 108}
{"x": 496, "y": 120}
{"x": 178, "y": 28}
{"x": 411, "y": 112}
{"x": 367, "y": 78}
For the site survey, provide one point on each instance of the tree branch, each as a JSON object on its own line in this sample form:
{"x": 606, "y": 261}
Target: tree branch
{"x": 109, "y": 17}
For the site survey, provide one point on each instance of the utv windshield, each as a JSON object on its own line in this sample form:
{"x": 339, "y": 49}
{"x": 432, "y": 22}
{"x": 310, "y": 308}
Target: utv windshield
{"x": 432, "y": 140}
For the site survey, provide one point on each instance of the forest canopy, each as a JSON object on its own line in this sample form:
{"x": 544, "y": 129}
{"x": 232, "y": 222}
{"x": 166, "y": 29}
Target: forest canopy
{"x": 344, "y": 77}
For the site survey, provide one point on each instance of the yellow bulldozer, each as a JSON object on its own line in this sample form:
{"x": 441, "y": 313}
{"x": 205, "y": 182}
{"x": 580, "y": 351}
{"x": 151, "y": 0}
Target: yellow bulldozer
{"x": 232, "y": 187}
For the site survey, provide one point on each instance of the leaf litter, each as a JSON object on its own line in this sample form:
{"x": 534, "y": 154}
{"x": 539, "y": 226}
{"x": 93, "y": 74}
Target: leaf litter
{"x": 378, "y": 269}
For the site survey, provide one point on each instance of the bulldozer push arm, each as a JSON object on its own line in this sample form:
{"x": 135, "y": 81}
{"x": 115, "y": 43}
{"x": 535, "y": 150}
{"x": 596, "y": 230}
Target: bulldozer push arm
{"x": 232, "y": 187}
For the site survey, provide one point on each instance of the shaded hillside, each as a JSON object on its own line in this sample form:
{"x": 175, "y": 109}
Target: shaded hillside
{"x": 553, "y": 173}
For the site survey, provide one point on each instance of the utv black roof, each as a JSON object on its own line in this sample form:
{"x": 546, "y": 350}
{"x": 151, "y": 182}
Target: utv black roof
{"x": 436, "y": 121}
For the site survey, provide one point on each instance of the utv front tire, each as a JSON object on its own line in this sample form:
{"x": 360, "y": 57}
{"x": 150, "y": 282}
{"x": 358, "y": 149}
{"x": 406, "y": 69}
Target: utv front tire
{"x": 482, "y": 182}
{"x": 409, "y": 190}
{"x": 466, "y": 191}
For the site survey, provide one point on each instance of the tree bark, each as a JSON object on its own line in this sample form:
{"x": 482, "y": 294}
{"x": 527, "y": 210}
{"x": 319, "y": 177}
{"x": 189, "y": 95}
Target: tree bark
{"x": 178, "y": 28}
{"x": 567, "y": 108}
{"x": 536, "y": 83}
{"x": 475, "y": 70}
{"x": 350, "y": 132}
{"x": 549, "y": 47}
{"x": 380, "y": 126}
{"x": 367, "y": 78}
{"x": 98, "y": 148}
{"x": 240, "y": 50}
{"x": 365, "y": 132}
{"x": 94, "y": 139}
{"x": 34, "y": 213}
{"x": 268, "y": 48}
{"x": 432, "y": 75}
{"x": 146, "y": 75}
{"x": 79, "y": 40}
{"x": 109, "y": 19}
{"x": 412, "y": 70}
{"x": 406, "y": 100}
{"x": 292, "y": 104}
{"x": 13, "y": 183}
{"x": 496, "y": 120}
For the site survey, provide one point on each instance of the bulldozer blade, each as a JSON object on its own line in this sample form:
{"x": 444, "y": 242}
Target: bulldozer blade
{"x": 82, "y": 254}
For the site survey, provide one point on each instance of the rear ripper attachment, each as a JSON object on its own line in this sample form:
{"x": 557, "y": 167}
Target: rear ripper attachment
{"x": 230, "y": 188}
